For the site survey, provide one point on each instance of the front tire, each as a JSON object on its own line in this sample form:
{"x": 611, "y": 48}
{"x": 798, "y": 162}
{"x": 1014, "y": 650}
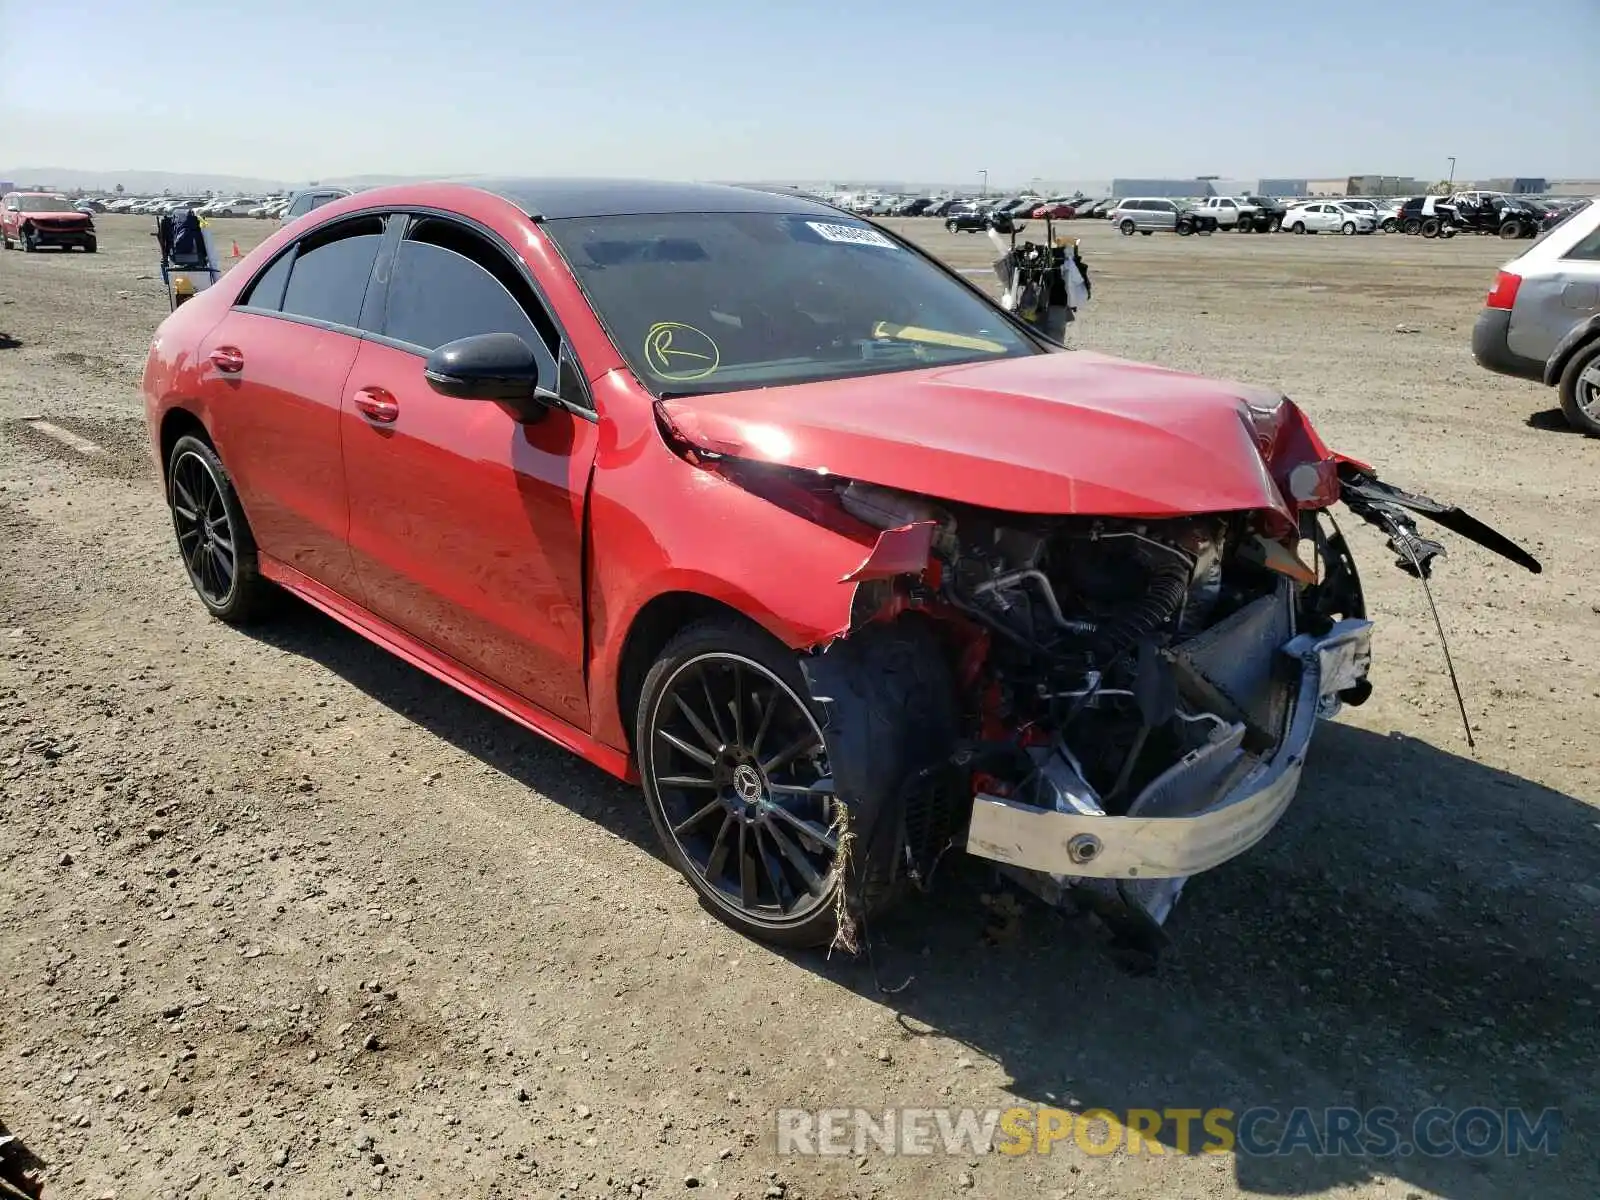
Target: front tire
{"x": 1348, "y": 229}
{"x": 1412, "y": 226}
{"x": 1580, "y": 390}
{"x": 1430, "y": 228}
{"x": 950, "y": 226}
{"x": 214, "y": 539}
{"x": 1511, "y": 230}
{"x": 1127, "y": 228}
{"x": 1389, "y": 225}
{"x": 1298, "y": 227}
{"x": 736, "y": 778}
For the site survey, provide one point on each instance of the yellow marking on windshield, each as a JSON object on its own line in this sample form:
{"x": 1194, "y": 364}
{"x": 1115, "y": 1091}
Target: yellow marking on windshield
{"x": 679, "y": 352}
{"x": 935, "y": 337}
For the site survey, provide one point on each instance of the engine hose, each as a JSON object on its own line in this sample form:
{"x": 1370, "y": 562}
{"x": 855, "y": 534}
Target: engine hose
{"x": 1159, "y": 605}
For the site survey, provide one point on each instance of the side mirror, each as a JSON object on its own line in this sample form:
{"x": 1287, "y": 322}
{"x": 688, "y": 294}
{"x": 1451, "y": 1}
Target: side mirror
{"x": 498, "y": 367}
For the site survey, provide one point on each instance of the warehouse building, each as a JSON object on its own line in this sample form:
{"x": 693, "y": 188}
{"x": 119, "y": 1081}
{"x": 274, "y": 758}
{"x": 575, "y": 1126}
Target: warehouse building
{"x": 1209, "y": 185}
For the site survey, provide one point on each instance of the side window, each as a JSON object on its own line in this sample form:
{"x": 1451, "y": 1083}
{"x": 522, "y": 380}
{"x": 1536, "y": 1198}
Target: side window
{"x": 450, "y": 283}
{"x": 267, "y": 290}
{"x": 328, "y": 280}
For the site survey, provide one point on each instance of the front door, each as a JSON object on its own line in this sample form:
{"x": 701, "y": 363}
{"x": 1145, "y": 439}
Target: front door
{"x": 467, "y": 525}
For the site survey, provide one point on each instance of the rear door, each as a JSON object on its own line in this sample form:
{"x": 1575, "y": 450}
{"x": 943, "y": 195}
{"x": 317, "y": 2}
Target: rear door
{"x": 467, "y": 525}
{"x": 273, "y": 385}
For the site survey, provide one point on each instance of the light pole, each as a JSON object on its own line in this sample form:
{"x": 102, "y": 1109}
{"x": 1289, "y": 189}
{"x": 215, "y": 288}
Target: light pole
{"x": 985, "y": 191}
{"x": 1450, "y": 185}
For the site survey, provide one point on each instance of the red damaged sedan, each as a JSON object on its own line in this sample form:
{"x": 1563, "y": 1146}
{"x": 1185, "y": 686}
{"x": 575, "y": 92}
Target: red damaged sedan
{"x": 745, "y": 498}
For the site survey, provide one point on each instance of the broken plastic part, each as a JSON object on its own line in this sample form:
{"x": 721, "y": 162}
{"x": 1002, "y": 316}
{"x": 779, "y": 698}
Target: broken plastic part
{"x": 902, "y": 551}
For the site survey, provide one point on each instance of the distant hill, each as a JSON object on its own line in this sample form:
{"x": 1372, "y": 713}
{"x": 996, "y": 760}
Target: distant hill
{"x": 156, "y": 182}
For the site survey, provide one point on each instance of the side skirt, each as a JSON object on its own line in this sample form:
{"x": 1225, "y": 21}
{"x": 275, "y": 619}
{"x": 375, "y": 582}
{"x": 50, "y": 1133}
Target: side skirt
{"x": 445, "y": 669}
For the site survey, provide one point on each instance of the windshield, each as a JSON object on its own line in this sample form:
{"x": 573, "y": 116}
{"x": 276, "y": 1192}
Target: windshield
{"x": 45, "y": 204}
{"x": 718, "y": 302}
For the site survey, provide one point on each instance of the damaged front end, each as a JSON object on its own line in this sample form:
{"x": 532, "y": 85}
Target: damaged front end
{"x": 1126, "y": 701}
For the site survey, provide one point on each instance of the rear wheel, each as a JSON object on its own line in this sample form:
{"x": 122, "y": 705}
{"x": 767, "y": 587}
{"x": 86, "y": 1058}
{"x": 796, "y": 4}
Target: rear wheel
{"x": 1298, "y": 227}
{"x": 1511, "y": 230}
{"x": 1389, "y": 225}
{"x": 1430, "y": 227}
{"x": 1127, "y": 228}
{"x": 950, "y": 226}
{"x": 214, "y": 539}
{"x": 1275, "y": 224}
{"x": 1243, "y": 225}
{"x": 1412, "y": 226}
{"x": 1580, "y": 390}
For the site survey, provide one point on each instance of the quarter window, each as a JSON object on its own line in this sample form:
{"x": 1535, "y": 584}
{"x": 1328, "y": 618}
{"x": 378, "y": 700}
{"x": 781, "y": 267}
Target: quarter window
{"x": 267, "y": 291}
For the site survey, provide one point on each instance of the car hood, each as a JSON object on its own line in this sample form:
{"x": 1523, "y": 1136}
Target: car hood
{"x": 1069, "y": 432}
{"x": 47, "y": 214}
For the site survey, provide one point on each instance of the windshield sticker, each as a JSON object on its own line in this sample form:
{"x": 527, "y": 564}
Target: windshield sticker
{"x": 851, "y": 235}
{"x": 679, "y": 352}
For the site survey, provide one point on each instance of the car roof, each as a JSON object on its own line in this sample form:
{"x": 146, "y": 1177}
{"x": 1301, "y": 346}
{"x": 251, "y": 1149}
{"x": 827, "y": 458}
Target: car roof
{"x": 556, "y": 199}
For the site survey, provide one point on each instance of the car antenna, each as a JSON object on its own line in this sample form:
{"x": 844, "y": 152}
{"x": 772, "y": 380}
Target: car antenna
{"x": 1402, "y": 541}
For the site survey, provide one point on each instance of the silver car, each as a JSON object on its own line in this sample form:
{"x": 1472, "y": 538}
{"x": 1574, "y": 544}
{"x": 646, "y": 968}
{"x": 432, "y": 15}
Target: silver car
{"x": 1541, "y": 319}
{"x": 310, "y": 198}
{"x": 1145, "y": 215}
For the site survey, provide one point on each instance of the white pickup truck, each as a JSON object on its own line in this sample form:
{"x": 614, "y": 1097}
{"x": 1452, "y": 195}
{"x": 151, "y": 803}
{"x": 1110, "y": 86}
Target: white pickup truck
{"x": 1239, "y": 213}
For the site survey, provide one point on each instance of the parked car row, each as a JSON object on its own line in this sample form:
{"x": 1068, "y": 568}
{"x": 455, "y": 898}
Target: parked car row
{"x": 261, "y": 207}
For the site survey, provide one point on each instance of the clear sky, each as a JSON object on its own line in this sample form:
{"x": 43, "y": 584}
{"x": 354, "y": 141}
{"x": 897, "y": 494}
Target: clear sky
{"x": 927, "y": 90}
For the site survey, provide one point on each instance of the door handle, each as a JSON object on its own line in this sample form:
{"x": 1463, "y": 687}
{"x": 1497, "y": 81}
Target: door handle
{"x": 228, "y": 358}
{"x": 377, "y": 405}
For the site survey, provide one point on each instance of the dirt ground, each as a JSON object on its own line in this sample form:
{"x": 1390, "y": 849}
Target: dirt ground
{"x": 278, "y": 913}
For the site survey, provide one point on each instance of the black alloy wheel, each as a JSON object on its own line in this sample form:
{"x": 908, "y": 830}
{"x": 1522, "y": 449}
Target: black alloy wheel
{"x": 205, "y": 538}
{"x": 737, "y": 780}
{"x": 214, "y": 540}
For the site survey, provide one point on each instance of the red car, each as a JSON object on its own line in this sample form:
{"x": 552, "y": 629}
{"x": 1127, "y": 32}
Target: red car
{"x": 1059, "y": 212}
{"x": 33, "y": 220}
{"x": 750, "y": 500}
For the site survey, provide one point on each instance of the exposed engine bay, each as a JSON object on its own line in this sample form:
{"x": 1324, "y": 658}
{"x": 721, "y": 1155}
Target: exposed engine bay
{"x": 1130, "y": 700}
{"x": 1124, "y": 668}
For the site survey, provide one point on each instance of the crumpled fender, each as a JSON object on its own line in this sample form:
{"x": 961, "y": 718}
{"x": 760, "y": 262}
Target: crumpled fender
{"x": 709, "y": 536}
